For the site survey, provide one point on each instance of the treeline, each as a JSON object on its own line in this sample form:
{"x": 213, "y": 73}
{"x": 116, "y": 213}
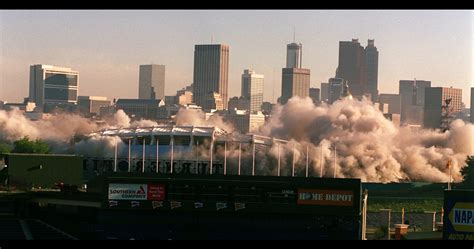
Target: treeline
{"x": 24, "y": 145}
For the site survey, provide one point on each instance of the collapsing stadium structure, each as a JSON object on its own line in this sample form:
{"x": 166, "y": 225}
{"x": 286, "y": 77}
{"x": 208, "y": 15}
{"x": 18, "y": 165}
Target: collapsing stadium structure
{"x": 192, "y": 150}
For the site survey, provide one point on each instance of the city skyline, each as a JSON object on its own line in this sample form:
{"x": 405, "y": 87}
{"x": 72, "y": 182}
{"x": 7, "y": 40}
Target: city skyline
{"x": 107, "y": 47}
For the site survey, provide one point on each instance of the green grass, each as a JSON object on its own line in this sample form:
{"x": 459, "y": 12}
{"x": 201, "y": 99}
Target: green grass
{"x": 410, "y": 205}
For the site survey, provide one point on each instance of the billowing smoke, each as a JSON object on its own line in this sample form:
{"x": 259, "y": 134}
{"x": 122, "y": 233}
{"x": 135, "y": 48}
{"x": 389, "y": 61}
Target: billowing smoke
{"x": 55, "y": 128}
{"x": 198, "y": 117}
{"x": 368, "y": 145}
{"x": 98, "y": 146}
{"x": 59, "y": 130}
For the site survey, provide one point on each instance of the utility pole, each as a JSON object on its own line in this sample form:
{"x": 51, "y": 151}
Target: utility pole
{"x": 364, "y": 215}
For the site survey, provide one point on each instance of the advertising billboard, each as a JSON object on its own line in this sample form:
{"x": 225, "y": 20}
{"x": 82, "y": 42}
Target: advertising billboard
{"x": 119, "y": 191}
{"x": 458, "y": 223}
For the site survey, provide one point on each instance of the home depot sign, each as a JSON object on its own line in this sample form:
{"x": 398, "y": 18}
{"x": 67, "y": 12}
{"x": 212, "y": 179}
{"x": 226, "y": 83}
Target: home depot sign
{"x": 325, "y": 197}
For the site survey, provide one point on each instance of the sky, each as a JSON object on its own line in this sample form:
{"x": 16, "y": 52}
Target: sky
{"x": 107, "y": 46}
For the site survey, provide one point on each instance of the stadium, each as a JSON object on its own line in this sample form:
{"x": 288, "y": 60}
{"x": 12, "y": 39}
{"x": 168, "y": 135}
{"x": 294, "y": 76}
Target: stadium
{"x": 232, "y": 199}
{"x": 190, "y": 149}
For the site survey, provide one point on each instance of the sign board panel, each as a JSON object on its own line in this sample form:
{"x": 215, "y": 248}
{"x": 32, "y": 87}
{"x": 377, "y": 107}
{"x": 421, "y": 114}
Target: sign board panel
{"x": 119, "y": 191}
{"x": 458, "y": 221}
{"x": 156, "y": 192}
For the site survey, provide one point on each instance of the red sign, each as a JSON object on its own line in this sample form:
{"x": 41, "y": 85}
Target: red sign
{"x": 156, "y": 192}
{"x": 325, "y": 197}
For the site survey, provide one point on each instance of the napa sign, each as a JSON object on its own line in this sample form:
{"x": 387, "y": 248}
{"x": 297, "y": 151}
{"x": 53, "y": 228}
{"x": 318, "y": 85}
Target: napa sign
{"x": 459, "y": 215}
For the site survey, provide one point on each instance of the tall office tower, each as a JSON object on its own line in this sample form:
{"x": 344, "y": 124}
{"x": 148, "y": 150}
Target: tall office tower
{"x": 294, "y": 55}
{"x": 295, "y": 82}
{"x": 435, "y": 107}
{"x": 295, "y": 79}
{"x": 371, "y": 67}
{"x": 314, "y": 94}
{"x": 151, "y": 82}
{"x": 472, "y": 105}
{"x": 252, "y": 89}
{"x": 351, "y": 66}
{"x": 325, "y": 92}
{"x": 211, "y": 73}
{"x": 335, "y": 89}
{"x": 412, "y": 100}
{"x": 53, "y": 85}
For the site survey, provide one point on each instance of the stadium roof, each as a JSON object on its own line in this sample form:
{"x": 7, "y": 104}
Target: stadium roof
{"x": 175, "y": 130}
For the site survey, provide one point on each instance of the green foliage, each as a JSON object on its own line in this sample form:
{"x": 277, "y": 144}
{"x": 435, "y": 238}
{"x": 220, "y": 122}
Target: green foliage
{"x": 468, "y": 173}
{"x": 410, "y": 205}
{"x": 4, "y": 149}
{"x": 25, "y": 145}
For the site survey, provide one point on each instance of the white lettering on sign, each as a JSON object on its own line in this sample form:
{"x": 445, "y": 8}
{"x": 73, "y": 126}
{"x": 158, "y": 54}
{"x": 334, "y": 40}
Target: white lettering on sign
{"x": 338, "y": 197}
{"x": 325, "y": 197}
{"x": 119, "y": 191}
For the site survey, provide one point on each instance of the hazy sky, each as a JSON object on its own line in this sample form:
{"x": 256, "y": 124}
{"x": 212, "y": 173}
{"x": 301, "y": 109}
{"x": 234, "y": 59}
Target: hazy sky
{"x": 107, "y": 47}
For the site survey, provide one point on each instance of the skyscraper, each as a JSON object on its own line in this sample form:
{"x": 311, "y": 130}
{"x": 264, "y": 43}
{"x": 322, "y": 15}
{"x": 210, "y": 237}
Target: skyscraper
{"x": 294, "y": 55}
{"x": 211, "y": 73}
{"x": 252, "y": 89}
{"x": 295, "y": 79}
{"x": 351, "y": 66}
{"x": 151, "y": 82}
{"x": 412, "y": 100}
{"x": 371, "y": 66}
{"x": 295, "y": 82}
{"x": 53, "y": 85}
{"x": 435, "y": 99}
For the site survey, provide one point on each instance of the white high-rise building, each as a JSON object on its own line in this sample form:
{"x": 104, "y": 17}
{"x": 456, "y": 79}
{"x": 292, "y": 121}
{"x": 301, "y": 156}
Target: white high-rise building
{"x": 252, "y": 89}
{"x": 53, "y": 85}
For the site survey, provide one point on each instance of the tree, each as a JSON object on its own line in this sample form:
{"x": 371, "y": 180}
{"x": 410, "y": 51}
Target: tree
{"x": 4, "y": 149}
{"x": 468, "y": 173}
{"x": 25, "y": 145}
